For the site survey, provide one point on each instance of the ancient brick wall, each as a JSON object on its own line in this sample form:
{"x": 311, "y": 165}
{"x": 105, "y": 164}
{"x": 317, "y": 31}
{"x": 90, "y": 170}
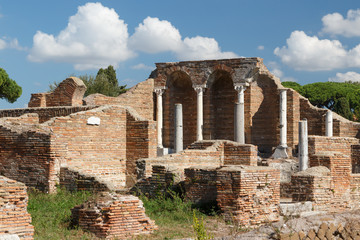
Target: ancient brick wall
{"x": 240, "y": 154}
{"x": 113, "y": 216}
{"x": 249, "y": 195}
{"x": 44, "y": 114}
{"x": 139, "y": 97}
{"x": 355, "y": 190}
{"x": 141, "y": 142}
{"x": 70, "y": 92}
{"x": 200, "y": 185}
{"x": 313, "y": 184}
{"x": 14, "y": 218}
{"x": 355, "y": 158}
{"x": 26, "y": 155}
{"x": 335, "y": 154}
{"x": 315, "y": 117}
{"x": 209, "y": 153}
{"x": 293, "y": 117}
{"x": 345, "y": 128}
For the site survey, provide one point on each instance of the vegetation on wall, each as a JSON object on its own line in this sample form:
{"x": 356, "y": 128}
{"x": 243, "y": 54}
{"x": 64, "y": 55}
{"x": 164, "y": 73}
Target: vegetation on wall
{"x": 105, "y": 82}
{"x": 9, "y": 90}
{"x": 342, "y": 98}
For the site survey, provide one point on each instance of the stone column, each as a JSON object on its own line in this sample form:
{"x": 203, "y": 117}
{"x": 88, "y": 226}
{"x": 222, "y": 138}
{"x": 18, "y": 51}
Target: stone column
{"x": 200, "y": 116}
{"x": 281, "y": 150}
{"x": 178, "y": 128}
{"x": 159, "y": 114}
{"x": 329, "y": 124}
{"x": 239, "y": 116}
{"x": 303, "y": 145}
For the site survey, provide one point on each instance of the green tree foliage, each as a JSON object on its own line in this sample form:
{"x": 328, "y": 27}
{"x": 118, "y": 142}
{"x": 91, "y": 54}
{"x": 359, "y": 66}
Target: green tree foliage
{"x": 9, "y": 89}
{"x": 342, "y": 98}
{"x": 105, "y": 83}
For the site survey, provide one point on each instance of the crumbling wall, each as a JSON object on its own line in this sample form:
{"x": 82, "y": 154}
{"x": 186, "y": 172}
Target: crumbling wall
{"x": 335, "y": 154}
{"x": 14, "y": 218}
{"x": 313, "y": 184}
{"x": 140, "y": 97}
{"x": 70, "y": 92}
{"x": 209, "y": 153}
{"x": 44, "y": 113}
{"x": 26, "y": 155}
{"x": 113, "y": 216}
{"x": 249, "y": 195}
{"x": 200, "y": 185}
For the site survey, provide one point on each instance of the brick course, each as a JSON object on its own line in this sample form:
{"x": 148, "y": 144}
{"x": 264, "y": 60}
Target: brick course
{"x": 14, "y": 218}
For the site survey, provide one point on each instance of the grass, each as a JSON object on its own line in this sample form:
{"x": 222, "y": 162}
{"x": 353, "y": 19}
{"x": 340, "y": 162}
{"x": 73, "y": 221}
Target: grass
{"x": 51, "y": 214}
{"x": 174, "y": 217}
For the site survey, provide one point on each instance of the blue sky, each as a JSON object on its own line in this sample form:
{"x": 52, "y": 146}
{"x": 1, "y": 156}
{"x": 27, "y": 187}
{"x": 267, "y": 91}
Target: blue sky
{"x": 304, "y": 41}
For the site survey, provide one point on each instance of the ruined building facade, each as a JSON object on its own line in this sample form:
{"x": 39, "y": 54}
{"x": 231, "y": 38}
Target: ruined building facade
{"x": 235, "y": 115}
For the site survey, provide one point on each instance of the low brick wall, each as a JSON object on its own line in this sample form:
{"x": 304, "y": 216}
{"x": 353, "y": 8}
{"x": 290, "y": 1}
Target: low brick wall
{"x": 236, "y": 154}
{"x": 249, "y": 195}
{"x": 113, "y": 216}
{"x": 200, "y": 185}
{"x": 14, "y": 218}
{"x": 313, "y": 184}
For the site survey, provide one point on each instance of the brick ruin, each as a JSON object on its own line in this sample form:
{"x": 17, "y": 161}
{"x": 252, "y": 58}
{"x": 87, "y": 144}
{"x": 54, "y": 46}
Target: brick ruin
{"x": 236, "y": 114}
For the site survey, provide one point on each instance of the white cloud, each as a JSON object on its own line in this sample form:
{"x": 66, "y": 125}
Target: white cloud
{"x": 289, "y": 79}
{"x": 2, "y": 44}
{"x": 10, "y": 43}
{"x": 199, "y": 48}
{"x": 308, "y": 53}
{"x": 336, "y": 24}
{"x": 94, "y": 37}
{"x": 142, "y": 66}
{"x": 343, "y": 77}
{"x": 275, "y": 69}
{"x": 261, "y": 47}
{"x": 155, "y": 36}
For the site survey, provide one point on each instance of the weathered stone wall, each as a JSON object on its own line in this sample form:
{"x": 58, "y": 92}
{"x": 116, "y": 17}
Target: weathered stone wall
{"x": 355, "y": 158}
{"x": 139, "y": 97}
{"x": 14, "y": 218}
{"x": 113, "y": 216}
{"x": 70, "y": 92}
{"x": 249, "y": 195}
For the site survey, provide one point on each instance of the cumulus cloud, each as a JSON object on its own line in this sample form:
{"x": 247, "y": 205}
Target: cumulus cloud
{"x": 155, "y": 36}
{"x": 94, "y": 37}
{"x": 142, "y": 66}
{"x": 275, "y": 69}
{"x": 343, "y": 77}
{"x": 336, "y": 24}
{"x": 261, "y": 47}
{"x": 308, "y": 53}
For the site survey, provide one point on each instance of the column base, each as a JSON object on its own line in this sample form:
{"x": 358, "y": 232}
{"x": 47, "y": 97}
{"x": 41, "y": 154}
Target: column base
{"x": 281, "y": 152}
{"x": 161, "y": 151}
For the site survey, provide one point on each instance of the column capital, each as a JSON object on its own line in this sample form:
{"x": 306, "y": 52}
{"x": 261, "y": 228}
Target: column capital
{"x": 241, "y": 86}
{"x": 199, "y": 87}
{"x": 283, "y": 90}
{"x": 159, "y": 90}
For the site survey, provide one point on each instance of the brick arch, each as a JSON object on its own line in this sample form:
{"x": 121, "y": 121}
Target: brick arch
{"x": 179, "y": 90}
{"x": 219, "y": 105}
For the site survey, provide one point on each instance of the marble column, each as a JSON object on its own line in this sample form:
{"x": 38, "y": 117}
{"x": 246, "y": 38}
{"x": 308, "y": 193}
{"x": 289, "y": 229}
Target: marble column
{"x": 329, "y": 124}
{"x": 200, "y": 116}
{"x": 303, "y": 145}
{"x": 159, "y": 114}
{"x": 178, "y": 128}
{"x": 239, "y": 115}
{"x": 281, "y": 150}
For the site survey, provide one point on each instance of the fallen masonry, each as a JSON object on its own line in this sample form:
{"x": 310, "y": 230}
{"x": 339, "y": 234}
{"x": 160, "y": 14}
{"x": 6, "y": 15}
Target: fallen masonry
{"x": 226, "y": 130}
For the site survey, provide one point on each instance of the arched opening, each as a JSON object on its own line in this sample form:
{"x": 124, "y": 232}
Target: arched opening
{"x": 221, "y": 108}
{"x": 179, "y": 90}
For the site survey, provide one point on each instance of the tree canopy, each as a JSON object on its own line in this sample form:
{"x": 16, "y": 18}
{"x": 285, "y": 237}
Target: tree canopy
{"x": 342, "y": 98}
{"x": 9, "y": 89}
{"x": 105, "y": 83}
